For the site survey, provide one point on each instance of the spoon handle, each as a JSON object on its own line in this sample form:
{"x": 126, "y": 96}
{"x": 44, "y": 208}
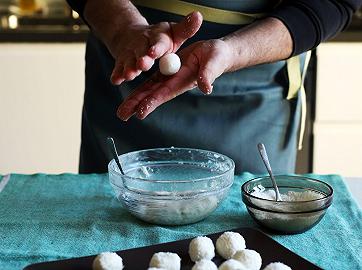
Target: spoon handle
{"x": 264, "y": 157}
{"x": 113, "y": 149}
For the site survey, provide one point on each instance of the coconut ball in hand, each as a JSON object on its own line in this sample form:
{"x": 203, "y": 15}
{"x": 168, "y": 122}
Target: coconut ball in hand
{"x": 108, "y": 261}
{"x": 169, "y": 64}
{"x": 201, "y": 248}
{"x": 229, "y": 243}
{"x": 249, "y": 258}
{"x": 166, "y": 260}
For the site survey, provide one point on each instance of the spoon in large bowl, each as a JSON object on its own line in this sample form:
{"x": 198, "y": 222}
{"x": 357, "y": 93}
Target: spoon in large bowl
{"x": 264, "y": 157}
{"x": 113, "y": 149}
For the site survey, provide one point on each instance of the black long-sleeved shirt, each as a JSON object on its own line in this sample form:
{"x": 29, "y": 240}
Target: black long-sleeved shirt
{"x": 309, "y": 21}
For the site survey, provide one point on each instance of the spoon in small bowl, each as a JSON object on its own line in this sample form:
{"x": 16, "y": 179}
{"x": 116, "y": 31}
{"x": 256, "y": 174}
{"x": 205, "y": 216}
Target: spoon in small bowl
{"x": 264, "y": 157}
{"x": 113, "y": 149}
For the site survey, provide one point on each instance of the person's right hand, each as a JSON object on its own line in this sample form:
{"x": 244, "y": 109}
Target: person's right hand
{"x": 136, "y": 49}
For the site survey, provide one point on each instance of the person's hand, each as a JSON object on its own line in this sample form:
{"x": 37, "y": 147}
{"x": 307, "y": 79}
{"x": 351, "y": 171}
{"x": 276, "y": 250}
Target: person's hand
{"x": 136, "y": 49}
{"x": 202, "y": 63}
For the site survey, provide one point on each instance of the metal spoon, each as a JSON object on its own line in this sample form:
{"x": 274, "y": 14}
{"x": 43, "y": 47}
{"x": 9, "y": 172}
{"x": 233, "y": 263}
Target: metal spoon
{"x": 113, "y": 149}
{"x": 265, "y": 159}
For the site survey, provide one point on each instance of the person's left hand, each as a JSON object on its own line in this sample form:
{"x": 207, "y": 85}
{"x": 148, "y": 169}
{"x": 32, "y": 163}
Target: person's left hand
{"x": 202, "y": 62}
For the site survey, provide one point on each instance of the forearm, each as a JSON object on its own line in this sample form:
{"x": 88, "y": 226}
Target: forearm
{"x": 111, "y": 17}
{"x": 264, "y": 41}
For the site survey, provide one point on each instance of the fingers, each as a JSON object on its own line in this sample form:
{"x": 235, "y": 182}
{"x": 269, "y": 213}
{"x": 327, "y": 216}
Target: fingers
{"x": 128, "y": 108}
{"x": 186, "y": 29}
{"x": 211, "y": 66}
{"x": 130, "y": 104}
{"x": 180, "y": 32}
{"x": 131, "y": 60}
{"x": 125, "y": 69}
{"x": 166, "y": 91}
{"x": 130, "y": 73}
{"x": 117, "y": 73}
{"x": 121, "y": 74}
{"x": 150, "y": 95}
{"x": 160, "y": 89}
{"x": 160, "y": 46}
{"x": 145, "y": 63}
{"x": 169, "y": 38}
{"x": 207, "y": 76}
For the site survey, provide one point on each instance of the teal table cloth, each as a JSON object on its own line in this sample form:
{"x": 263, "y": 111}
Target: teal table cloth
{"x": 52, "y": 217}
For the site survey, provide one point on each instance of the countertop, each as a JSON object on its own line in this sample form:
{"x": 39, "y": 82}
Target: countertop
{"x": 53, "y": 217}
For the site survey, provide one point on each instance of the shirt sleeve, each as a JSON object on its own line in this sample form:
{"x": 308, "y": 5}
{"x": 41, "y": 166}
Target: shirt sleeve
{"x": 312, "y": 21}
{"x": 309, "y": 21}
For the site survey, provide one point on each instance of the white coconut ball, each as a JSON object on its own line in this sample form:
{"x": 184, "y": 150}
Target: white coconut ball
{"x": 166, "y": 260}
{"x": 204, "y": 265}
{"x": 249, "y": 258}
{"x": 200, "y": 248}
{"x": 228, "y": 243}
{"x": 277, "y": 266}
{"x": 108, "y": 261}
{"x": 170, "y": 64}
{"x": 232, "y": 265}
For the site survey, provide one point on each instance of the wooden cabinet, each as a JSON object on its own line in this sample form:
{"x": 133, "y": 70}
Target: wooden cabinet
{"x": 338, "y": 124}
{"x": 41, "y": 93}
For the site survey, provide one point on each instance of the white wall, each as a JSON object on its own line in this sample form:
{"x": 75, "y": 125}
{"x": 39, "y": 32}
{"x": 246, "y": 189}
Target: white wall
{"x": 338, "y": 126}
{"x": 41, "y": 92}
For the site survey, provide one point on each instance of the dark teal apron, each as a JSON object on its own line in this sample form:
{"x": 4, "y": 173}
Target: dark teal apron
{"x": 246, "y": 107}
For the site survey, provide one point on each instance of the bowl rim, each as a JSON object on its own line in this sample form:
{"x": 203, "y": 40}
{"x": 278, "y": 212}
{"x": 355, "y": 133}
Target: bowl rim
{"x": 232, "y": 167}
{"x": 324, "y": 208}
{"x": 245, "y": 193}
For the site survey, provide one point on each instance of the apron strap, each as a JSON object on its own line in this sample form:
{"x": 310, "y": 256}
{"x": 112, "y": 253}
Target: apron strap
{"x": 210, "y": 14}
{"x": 296, "y": 83}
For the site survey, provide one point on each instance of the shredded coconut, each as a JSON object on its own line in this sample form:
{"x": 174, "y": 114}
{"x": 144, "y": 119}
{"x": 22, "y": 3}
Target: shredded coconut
{"x": 297, "y": 210}
{"x": 290, "y": 196}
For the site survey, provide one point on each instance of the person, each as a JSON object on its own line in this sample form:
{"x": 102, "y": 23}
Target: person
{"x": 230, "y": 92}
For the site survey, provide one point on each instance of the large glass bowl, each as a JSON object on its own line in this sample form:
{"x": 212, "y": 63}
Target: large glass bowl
{"x": 287, "y": 216}
{"x": 172, "y": 186}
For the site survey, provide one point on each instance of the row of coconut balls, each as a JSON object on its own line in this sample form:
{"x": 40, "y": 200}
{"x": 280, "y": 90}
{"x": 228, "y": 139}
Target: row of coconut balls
{"x": 230, "y": 246}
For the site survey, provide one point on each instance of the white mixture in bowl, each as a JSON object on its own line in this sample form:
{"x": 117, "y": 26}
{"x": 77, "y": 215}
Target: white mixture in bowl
{"x": 178, "y": 212}
{"x": 290, "y": 200}
{"x": 290, "y": 196}
{"x": 297, "y": 209}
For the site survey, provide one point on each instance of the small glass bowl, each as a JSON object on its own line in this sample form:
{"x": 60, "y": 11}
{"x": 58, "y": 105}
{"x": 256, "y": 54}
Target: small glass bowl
{"x": 287, "y": 217}
{"x": 172, "y": 186}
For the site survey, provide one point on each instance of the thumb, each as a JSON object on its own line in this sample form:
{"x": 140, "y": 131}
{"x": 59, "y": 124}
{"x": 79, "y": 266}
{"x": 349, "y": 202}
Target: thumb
{"x": 208, "y": 72}
{"x": 185, "y": 29}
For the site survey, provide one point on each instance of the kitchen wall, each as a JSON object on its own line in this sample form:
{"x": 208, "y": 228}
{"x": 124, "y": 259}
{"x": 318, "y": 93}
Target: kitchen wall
{"x": 41, "y": 92}
{"x": 338, "y": 120}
